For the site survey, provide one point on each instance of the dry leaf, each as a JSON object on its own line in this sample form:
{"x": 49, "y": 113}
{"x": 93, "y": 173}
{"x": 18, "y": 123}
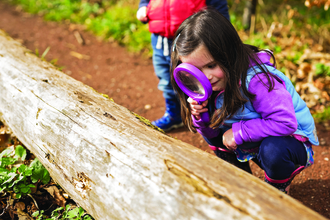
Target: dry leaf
{"x": 298, "y": 86}
{"x": 303, "y": 70}
{"x": 290, "y": 13}
{"x": 318, "y": 3}
{"x": 3, "y": 141}
{"x": 79, "y": 37}
{"x": 290, "y": 65}
{"x": 310, "y": 88}
{"x": 318, "y": 84}
{"x": 55, "y": 193}
{"x": 79, "y": 55}
{"x": 325, "y": 95}
{"x": 22, "y": 215}
{"x": 20, "y": 205}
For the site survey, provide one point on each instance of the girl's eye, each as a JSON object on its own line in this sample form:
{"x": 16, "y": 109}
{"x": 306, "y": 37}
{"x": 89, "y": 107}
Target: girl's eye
{"x": 211, "y": 66}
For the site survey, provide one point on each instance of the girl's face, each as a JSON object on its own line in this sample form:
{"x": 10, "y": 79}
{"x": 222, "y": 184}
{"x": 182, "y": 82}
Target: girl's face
{"x": 203, "y": 60}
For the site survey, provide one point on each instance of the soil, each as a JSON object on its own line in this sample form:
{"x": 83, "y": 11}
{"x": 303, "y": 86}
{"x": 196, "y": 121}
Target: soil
{"x": 130, "y": 80}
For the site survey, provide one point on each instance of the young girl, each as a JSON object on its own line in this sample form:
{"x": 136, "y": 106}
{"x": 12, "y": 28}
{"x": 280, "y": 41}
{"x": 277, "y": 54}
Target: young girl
{"x": 255, "y": 110}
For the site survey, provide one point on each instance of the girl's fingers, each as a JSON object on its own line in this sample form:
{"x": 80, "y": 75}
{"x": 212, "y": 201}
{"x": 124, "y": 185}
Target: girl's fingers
{"x": 195, "y": 105}
{"x": 228, "y": 140}
{"x": 195, "y": 108}
{"x": 191, "y": 101}
{"x": 197, "y": 117}
{"x": 205, "y": 103}
{"x": 194, "y": 112}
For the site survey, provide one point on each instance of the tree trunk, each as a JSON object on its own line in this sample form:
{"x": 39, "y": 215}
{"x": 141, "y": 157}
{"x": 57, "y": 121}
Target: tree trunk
{"x": 114, "y": 163}
{"x": 249, "y": 14}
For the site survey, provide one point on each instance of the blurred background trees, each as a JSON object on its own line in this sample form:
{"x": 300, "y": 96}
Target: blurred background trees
{"x": 297, "y": 31}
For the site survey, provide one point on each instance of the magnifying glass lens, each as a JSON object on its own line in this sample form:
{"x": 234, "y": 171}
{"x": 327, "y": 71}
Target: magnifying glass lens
{"x": 191, "y": 83}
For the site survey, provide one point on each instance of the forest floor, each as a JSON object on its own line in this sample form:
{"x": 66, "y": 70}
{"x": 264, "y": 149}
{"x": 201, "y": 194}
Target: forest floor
{"x": 130, "y": 80}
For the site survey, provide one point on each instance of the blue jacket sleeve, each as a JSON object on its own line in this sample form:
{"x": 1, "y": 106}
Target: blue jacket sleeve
{"x": 220, "y": 5}
{"x": 143, "y": 3}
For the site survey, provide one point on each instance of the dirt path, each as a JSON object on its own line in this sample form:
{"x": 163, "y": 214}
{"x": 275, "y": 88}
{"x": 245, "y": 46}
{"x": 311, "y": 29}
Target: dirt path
{"x": 130, "y": 81}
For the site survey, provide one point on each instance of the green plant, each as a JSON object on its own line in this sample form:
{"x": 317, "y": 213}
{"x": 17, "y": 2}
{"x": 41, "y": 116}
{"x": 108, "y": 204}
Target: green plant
{"x": 18, "y": 179}
{"x": 68, "y": 213}
{"x": 236, "y": 21}
{"x": 39, "y": 172}
{"x": 322, "y": 69}
{"x": 295, "y": 55}
{"x": 113, "y": 20}
{"x": 258, "y": 41}
{"x": 45, "y": 53}
{"x": 322, "y": 116}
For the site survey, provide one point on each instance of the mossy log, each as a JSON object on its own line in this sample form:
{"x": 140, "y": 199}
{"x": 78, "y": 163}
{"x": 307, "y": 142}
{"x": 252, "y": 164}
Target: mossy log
{"x": 116, "y": 165}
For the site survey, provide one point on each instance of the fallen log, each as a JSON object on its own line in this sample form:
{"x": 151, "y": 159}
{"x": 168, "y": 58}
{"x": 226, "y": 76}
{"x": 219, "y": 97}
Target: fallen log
{"x": 113, "y": 163}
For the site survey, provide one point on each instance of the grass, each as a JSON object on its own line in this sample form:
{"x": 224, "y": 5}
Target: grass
{"x": 111, "y": 20}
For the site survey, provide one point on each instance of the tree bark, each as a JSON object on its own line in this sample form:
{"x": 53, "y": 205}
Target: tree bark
{"x": 114, "y": 163}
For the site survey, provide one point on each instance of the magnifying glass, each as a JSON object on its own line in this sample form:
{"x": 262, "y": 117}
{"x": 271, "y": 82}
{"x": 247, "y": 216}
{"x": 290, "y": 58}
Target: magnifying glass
{"x": 194, "y": 84}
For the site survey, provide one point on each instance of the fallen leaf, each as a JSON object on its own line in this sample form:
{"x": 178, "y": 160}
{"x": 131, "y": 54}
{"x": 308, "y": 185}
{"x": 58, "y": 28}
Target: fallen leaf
{"x": 55, "y": 193}
{"x": 79, "y": 37}
{"x": 22, "y": 215}
{"x": 318, "y": 84}
{"x": 310, "y": 88}
{"x": 79, "y": 55}
{"x": 20, "y": 205}
{"x": 303, "y": 70}
{"x": 290, "y": 13}
{"x": 325, "y": 95}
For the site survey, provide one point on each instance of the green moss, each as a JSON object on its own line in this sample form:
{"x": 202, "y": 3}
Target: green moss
{"x": 147, "y": 122}
{"x": 106, "y": 96}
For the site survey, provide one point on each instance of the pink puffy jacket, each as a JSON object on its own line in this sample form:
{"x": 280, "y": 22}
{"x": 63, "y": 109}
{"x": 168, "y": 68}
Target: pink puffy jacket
{"x": 165, "y": 16}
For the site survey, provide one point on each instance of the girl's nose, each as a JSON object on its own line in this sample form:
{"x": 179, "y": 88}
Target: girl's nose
{"x": 209, "y": 76}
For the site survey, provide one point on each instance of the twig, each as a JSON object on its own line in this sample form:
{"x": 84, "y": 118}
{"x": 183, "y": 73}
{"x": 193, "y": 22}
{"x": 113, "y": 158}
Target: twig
{"x": 33, "y": 201}
{"x": 79, "y": 55}
{"x": 8, "y": 203}
{"x": 264, "y": 25}
{"x": 78, "y": 37}
{"x": 253, "y": 24}
{"x": 4, "y": 210}
{"x": 271, "y": 29}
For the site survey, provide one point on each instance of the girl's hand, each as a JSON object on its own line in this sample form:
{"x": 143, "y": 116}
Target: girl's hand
{"x": 228, "y": 140}
{"x": 196, "y": 109}
{"x": 141, "y": 14}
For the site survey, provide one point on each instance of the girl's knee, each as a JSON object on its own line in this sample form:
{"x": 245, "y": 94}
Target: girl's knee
{"x": 271, "y": 151}
{"x": 277, "y": 157}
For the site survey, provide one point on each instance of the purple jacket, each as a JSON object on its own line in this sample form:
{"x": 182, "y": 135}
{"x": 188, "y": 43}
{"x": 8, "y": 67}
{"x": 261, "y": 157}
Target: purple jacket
{"x": 275, "y": 108}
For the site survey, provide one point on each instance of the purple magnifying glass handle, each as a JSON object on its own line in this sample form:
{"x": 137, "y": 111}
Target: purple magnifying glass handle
{"x": 194, "y": 84}
{"x": 205, "y": 117}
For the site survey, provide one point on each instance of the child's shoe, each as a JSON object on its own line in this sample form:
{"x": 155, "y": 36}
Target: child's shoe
{"x": 231, "y": 158}
{"x": 283, "y": 185}
{"x": 172, "y": 118}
